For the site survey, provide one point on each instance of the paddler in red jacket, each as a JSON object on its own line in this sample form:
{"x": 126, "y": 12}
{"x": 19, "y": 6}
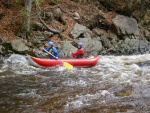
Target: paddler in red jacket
{"x": 80, "y": 52}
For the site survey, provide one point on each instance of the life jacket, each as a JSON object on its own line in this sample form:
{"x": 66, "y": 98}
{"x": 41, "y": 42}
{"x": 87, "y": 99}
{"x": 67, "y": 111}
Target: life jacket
{"x": 53, "y": 51}
{"x": 80, "y": 53}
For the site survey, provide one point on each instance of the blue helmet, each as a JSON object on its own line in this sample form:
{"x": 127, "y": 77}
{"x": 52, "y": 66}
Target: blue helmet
{"x": 50, "y": 43}
{"x": 80, "y": 44}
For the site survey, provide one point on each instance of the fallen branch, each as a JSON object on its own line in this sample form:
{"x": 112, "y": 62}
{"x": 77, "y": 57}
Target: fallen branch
{"x": 47, "y": 27}
{"x": 50, "y": 29}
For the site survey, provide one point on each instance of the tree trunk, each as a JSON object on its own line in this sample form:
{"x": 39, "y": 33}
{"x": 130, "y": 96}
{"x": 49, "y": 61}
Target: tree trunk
{"x": 27, "y": 16}
{"x": 142, "y": 8}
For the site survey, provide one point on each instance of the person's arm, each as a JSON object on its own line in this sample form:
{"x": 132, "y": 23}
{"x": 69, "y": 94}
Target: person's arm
{"x": 45, "y": 50}
{"x": 79, "y": 51}
{"x": 54, "y": 50}
{"x": 75, "y": 54}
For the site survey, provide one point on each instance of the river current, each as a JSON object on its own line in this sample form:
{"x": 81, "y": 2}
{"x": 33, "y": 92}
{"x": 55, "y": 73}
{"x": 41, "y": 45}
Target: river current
{"x": 116, "y": 84}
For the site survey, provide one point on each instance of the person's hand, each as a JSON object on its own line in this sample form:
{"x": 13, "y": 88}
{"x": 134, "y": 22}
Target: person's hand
{"x": 56, "y": 58}
{"x": 70, "y": 52}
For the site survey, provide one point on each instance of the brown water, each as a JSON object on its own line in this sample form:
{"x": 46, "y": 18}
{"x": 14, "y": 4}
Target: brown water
{"x": 115, "y": 85}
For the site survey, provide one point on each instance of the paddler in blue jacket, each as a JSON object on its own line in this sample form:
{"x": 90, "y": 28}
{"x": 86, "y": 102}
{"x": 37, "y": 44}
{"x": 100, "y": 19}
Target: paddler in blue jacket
{"x": 52, "y": 50}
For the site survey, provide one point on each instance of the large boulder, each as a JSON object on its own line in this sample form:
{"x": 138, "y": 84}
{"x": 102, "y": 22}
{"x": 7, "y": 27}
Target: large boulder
{"x": 133, "y": 46}
{"x": 77, "y": 30}
{"x": 66, "y": 48}
{"x": 124, "y": 25}
{"x": 130, "y": 46}
{"x": 19, "y": 45}
{"x": 92, "y": 46}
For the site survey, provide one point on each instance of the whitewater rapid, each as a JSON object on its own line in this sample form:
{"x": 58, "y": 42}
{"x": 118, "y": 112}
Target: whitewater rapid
{"x": 115, "y": 84}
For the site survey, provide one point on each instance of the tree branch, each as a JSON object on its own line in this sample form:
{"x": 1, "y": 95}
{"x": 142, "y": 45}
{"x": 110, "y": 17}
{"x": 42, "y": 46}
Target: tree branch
{"x": 50, "y": 29}
{"x": 47, "y": 27}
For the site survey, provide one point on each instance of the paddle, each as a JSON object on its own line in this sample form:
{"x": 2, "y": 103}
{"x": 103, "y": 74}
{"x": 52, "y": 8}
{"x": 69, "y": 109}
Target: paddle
{"x": 66, "y": 64}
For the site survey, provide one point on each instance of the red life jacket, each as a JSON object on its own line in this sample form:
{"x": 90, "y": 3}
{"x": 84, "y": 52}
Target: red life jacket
{"x": 79, "y": 53}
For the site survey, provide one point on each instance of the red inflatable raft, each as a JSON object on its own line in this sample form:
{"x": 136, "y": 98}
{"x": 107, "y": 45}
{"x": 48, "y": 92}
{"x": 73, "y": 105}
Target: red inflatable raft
{"x": 84, "y": 62}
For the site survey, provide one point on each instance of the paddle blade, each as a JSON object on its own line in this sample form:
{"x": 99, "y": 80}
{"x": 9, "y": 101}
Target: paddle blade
{"x": 67, "y": 65}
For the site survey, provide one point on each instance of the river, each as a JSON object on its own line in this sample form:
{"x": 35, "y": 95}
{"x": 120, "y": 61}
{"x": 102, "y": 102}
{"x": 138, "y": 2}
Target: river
{"x": 116, "y": 84}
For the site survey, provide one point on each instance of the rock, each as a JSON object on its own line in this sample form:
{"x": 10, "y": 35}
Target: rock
{"x": 39, "y": 53}
{"x": 99, "y": 32}
{"x": 144, "y": 46}
{"x": 18, "y": 45}
{"x": 91, "y": 46}
{"x": 1, "y": 47}
{"x": 3, "y": 40}
{"x": 113, "y": 38}
{"x": 124, "y": 25}
{"x": 147, "y": 35}
{"x": 133, "y": 46}
{"x": 77, "y": 30}
{"x": 66, "y": 48}
{"x": 105, "y": 41}
{"x": 148, "y": 28}
{"x": 129, "y": 46}
{"x": 38, "y": 39}
{"x": 48, "y": 34}
{"x": 76, "y": 16}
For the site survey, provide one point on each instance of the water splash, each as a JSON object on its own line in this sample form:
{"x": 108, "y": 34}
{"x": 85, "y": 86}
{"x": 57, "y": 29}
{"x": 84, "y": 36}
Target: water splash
{"x": 115, "y": 83}
{"x": 18, "y": 64}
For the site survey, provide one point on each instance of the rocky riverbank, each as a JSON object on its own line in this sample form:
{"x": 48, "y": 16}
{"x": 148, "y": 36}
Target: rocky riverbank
{"x": 102, "y": 30}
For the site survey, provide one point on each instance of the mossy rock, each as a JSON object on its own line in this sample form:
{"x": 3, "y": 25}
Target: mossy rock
{"x": 8, "y": 49}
